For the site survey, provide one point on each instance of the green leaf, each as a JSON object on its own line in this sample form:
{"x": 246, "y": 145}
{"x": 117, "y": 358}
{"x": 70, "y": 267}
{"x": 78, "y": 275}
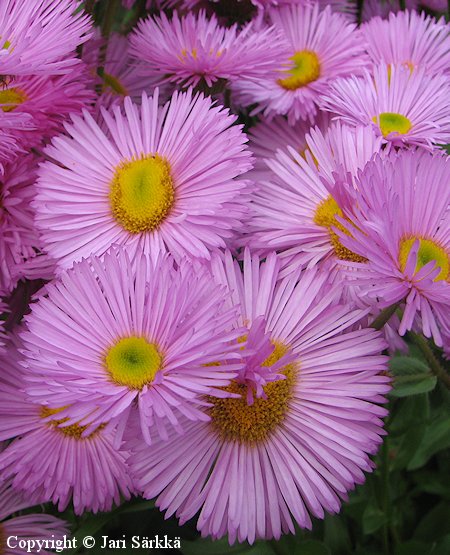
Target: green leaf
{"x": 411, "y": 376}
{"x": 373, "y": 519}
{"x": 436, "y": 438}
{"x": 435, "y": 524}
{"x": 92, "y": 525}
{"x": 311, "y": 547}
{"x": 414, "y": 548}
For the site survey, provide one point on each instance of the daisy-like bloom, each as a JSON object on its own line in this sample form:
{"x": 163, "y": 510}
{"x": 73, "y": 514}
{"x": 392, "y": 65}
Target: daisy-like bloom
{"x": 409, "y": 39}
{"x": 97, "y": 475}
{"x": 270, "y": 135}
{"x": 323, "y": 46}
{"x": 294, "y": 212}
{"x": 19, "y": 239}
{"x": 113, "y": 336}
{"x": 294, "y": 447}
{"x": 156, "y": 179}
{"x": 39, "y": 37}
{"x": 120, "y": 77}
{"x": 48, "y": 101}
{"x": 194, "y": 49}
{"x": 406, "y": 108}
{"x": 35, "y": 526}
{"x": 402, "y": 228}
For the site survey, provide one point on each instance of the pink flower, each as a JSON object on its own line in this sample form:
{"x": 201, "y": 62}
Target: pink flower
{"x": 410, "y": 39}
{"x": 90, "y": 471}
{"x": 157, "y": 179}
{"x": 40, "y": 36}
{"x": 113, "y": 337}
{"x": 266, "y": 462}
{"x": 402, "y": 228}
{"x": 323, "y": 46}
{"x": 407, "y": 108}
{"x": 195, "y": 48}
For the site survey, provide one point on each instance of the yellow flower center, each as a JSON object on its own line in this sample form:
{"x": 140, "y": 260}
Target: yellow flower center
{"x": 305, "y": 70}
{"x": 11, "y": 98}
{"x": 113, "y": 83}
{"x": 74, "y": 431}
{"x": 428, "y": 251}
{"x": 325, "y": 216}
{"x": 236, "y": 420}
{"x": 133, "y": 362}
{"x": 389, "y": 122}
{"x": 142, "y": 193}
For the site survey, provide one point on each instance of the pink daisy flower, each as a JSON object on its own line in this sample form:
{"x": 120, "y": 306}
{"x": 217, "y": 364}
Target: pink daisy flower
{"x": 409, "y": 39}
{"x": 97, "y": 475}
{"x": 294, "y": 212}
{"x": 27, "y": 527}
{"x": 264, "y": 463}
{"x": 323, "y": 46}
{"x": 48, "y": 101}
{"x": 112, "y": 337}
{"x": 20, "y": 243}
{"x": 121, "y": 76}
{"x": 407, "y": 108}
{"x": 158, "y": 179}
{"x": 194, "y": 49}
{"x": 402, "y": 228}
{"x": 40, "y": 36}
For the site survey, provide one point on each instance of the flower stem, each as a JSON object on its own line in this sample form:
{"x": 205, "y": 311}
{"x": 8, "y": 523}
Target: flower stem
{"x": 430, "y": 357}
{"x": 384, "y": 317}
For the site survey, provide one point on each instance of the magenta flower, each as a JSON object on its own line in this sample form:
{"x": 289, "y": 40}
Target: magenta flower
{"x": 40, "y": 36}
{"x": 90, "y": 471}
{"x": 323, "y": 46}
{"x": 294, "y": 211}
{"x": 113, "y": 337}
{"x": 409, "y": 39}
{"x": 11, "y": 126}
{"x": 402, "y": 228}
{"x": 407, "y": 108}
{"x": 193, "y": 48}
{"x": 157, "y": 179}
{"x": 266, "y": 462}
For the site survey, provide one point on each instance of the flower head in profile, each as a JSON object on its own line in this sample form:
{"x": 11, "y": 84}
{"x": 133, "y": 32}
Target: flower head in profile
{"x": 402, "y": 228}
{"x": 195, "y": 48}
{"x": 157, "y": 179}
{"x": 97, "y": 475}
{"x": 410, "y": 39}
{"x": 113, "y": 337}
{"x": 295, "y": 209}
{"x": 322, "y": 47}
{"x": 40, "y": 36}
{"x": 299, "y": 437}
{"x": 406, "y": 108}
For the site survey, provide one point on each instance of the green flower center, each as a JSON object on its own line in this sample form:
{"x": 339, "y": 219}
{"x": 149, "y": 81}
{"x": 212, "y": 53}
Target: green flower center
{"x": 390, "y": 122}
{"x": 133, "y": 362}
{"x": 428, "y": 251}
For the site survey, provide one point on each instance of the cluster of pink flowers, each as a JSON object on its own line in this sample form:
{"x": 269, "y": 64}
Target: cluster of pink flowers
{"x": 197, "y": 326}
